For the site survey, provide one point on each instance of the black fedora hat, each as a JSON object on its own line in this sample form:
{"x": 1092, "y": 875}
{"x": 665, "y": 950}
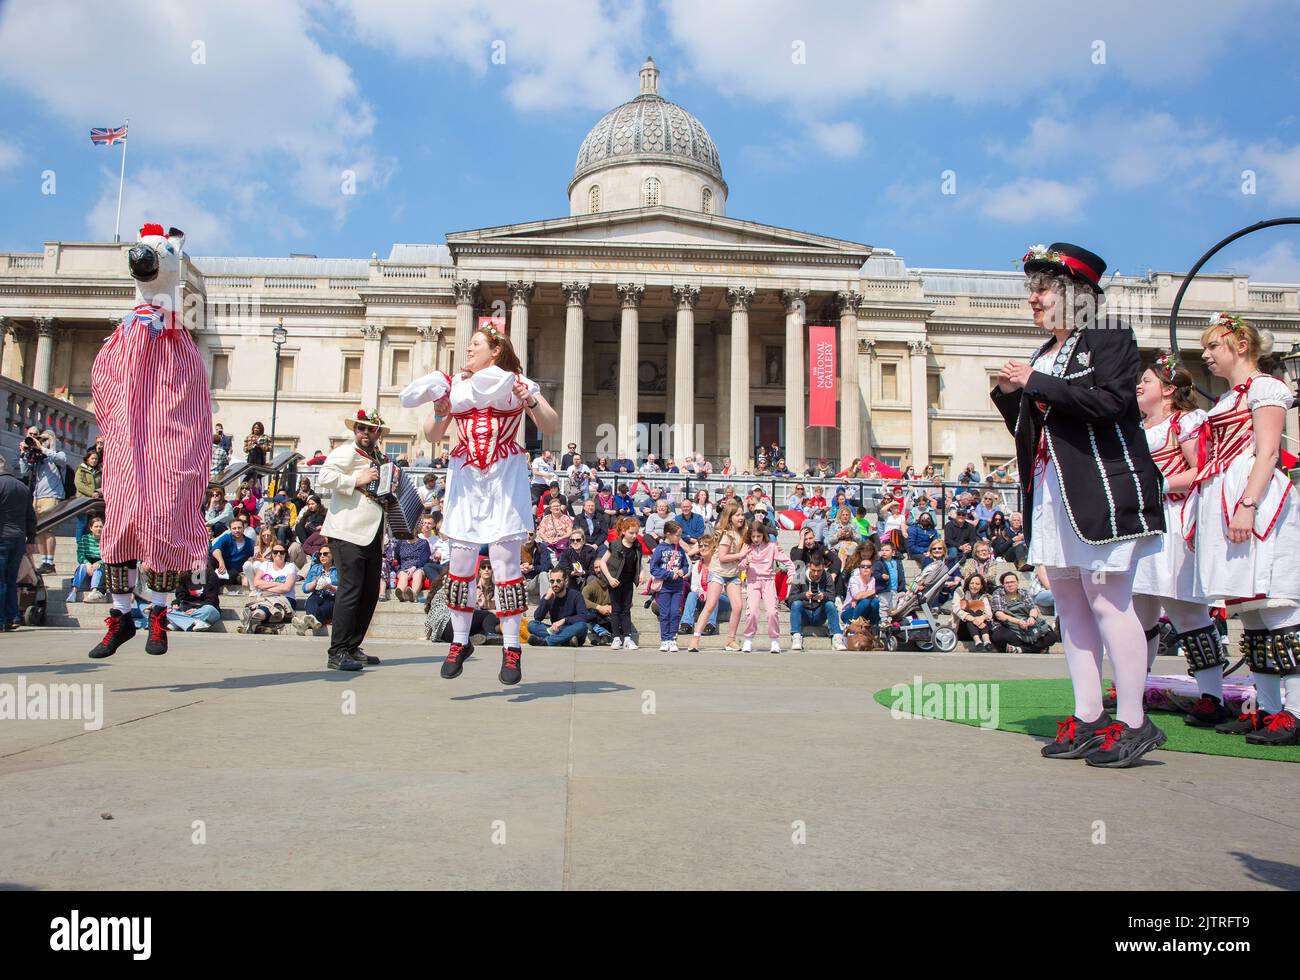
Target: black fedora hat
{"x": 1062, "y": 257}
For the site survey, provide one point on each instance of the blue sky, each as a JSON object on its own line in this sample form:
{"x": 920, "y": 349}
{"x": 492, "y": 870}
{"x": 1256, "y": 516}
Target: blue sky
{"x": 1123, "y": 128}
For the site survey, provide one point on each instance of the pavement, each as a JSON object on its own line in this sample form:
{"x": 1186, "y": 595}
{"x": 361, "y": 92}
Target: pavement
{"x": 238, "y": 762}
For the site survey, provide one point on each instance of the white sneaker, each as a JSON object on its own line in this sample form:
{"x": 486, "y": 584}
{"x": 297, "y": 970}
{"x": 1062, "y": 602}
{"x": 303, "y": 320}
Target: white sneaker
{"x": 616, "y": 643}
{"x": 747, "y": 646}
{"x": 200, "y": 625}
{"x": 663, "y": 647}
{"x": 776, "y": 646}
{"x": 672, "y": 646}
{"x": 837, "y": 642}
{"x": 629, "y": 645}
{"x": 796, "y": 642}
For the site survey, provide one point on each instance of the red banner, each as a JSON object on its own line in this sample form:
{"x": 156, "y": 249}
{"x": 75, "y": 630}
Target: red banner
{"x": 821, "y": 376}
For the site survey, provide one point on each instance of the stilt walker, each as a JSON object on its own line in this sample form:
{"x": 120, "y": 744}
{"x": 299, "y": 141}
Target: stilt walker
{"x": 1242, "y": 517}
{"x": 488, "y": 501}
{"x": 150, "y": 388}
{"x": 1165, "y": 580}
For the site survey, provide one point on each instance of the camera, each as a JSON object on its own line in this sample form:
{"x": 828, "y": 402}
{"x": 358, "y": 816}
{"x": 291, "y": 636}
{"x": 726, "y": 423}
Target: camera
{"x": 33, "y": 451}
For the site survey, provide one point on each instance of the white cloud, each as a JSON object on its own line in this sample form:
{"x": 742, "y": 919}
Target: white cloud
{"x": 265, "y": 96}
{"x": 1278, "y": 263}
{"x": 973, "y": 51}
{"x": 559, "y": 54}
{"x": 1022, "y": 201}
{"x": 840, "y": 139}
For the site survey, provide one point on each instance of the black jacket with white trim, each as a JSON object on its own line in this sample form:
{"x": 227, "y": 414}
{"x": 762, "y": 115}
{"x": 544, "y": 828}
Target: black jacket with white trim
{"x": 1112, "y": 488}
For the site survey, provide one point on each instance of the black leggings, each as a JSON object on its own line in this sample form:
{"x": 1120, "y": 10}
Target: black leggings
{"x": 481, "y": 621}
{"x": 620, "y": 600}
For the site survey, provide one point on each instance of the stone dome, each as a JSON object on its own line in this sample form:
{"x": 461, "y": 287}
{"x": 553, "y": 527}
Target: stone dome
{"x": 649, "y": 129}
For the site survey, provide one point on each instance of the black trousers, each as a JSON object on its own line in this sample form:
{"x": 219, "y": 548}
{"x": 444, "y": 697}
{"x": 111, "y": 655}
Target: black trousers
{"x": 358, "y": 592}
{"x": 620, "y": 600}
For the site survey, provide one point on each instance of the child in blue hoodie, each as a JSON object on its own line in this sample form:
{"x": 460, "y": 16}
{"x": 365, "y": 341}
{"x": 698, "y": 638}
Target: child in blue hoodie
{"x": 670, "y": 566}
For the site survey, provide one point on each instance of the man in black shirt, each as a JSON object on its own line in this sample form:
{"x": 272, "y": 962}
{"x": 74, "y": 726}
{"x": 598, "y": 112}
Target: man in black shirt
{"x": 960, "y": 535}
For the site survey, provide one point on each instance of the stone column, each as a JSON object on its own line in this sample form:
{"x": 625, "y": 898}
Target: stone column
{"x": 722, "y": 403}
{"x": 629, "y": 297}
{"x": 741, "y": 432}
{"x": 685, "y": 297}
{"x": 796, "y": 412}
{"x": 920, "y": 405}
{"x": 865, "y": 369}
{"x": 371, "y": 365}
{"x": 5, "y": 346}
{"x": 575, "y": 297}
{"x": 429, "y": 334}
{"x": 848, "y": 302}
{"x": 43, "y": 372}
{"x": 466, "y": 291}
{"x": 521, "y": 294}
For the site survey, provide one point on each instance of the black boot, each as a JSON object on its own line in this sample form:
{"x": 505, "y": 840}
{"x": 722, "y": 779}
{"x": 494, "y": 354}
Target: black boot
{"x": 121, "y": 627}
{"x": 1207, "y": 712}
{"x": 511, "y": 666}
{"x": 365, "y": 658}
{"x": 1279, "y": 729}
{"x": 157, "y": 642}
{"x": 454, "y": 662}
{"x": 1075, "y": 737}
{"x": 1123, "y": 746}
{"x": 342, "y": 661}
{"x": 1244, "y": 724}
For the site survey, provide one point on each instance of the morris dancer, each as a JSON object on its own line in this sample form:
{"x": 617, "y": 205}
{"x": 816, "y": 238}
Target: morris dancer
{"x": 488, "y": 500}
{"x": 150, "y": 389}
{"x": 1092, "y": 493}
{"x": 1167, "y": 578}
{"x": 1243, "y": 519}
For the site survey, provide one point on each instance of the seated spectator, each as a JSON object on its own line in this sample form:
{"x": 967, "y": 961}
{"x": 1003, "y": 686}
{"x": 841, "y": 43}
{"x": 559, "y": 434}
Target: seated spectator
{"x": 860, "y": 594}
{"x": 817, "y": 523}
{"x": 811, "y": 598}
{"x": 781, "y": 469}
{"x": 1040, "y": 588}
{"x": 534, "y": 562}
{"x": 439, "y": 547}
{"x": 607, "y": 505}
{"x": 437, "y": 617}
{"x": 596, "y": 595}
{"x": 648, "y": 503}
{"x": 692, "y": 525}
{"x": 197, "y": 603}
{"x": 982, "y": 562}
{"x": 938, "y": 553}
{"x": 602, "y": 464}
{"x": 412, "y": 556}
{"x": 262, "y": 545}
{"x": 969, "y": 475}
{"x": 592, "y": 522}
{"x": 655, "y": 523}
{"x": 321, "y": 587}
{"x": 624, "y": 505}
{"x": 387, "y": 569}
{"x": 89, "y": 482}
{"x": 568, "y": 614}
{"x": 959, "y": 535}
{"x": 231, "y": 550}
{"x": 842, "y": 531}
{"x": 972, "y": 613}
{"x": 815, "y": 500}
{"x": 273, "y": 584}
{"x": 553, "y": 531}
{"x": 217, "y": 512}
{"x": 428, "y": 492}
{"x": 699, "y": 590}
{"x": 578, "y": 560}
{"x": 796, "y": 499}
{"x": 310, "y": 519}
{"x": 1008, "y": 537}
{"x": 984, "y": 510}
{"x": 1019, "y": 625}
{"x": 863, "y": 522}
{"x": 920, "y": 535}
{"x": 90, "y": 568}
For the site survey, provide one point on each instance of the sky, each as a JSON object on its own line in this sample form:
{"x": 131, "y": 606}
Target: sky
{"x": 955, "y": 133}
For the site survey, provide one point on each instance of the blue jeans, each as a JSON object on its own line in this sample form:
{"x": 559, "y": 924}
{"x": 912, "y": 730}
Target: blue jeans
{"x": 81, "y": 577}
{"x": 869, "y": 607}
{"x": 1045, "y": 601}
{"x": 186, "y": 620}
{"x": 540, "y": 634}
{"x": 801, "y": 616}
{"x": 691, "y": 609}
{"x": 11, "y": 554}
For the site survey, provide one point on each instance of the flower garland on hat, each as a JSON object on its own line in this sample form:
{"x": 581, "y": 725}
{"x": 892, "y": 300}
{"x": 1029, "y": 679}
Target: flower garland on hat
{"x": 1165, "y": 366}
{"x": 1229, "y": 321}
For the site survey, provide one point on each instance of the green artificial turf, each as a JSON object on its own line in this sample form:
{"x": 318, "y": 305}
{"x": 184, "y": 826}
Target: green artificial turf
{"x": 1034, "y": 707}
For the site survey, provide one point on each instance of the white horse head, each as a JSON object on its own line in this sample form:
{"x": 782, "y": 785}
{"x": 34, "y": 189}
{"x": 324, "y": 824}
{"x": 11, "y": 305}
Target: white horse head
{"x": 155, "y": 264}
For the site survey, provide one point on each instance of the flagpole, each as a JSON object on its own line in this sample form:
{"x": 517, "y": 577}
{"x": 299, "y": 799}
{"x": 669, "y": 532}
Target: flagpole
{"x": 121, "y": 179}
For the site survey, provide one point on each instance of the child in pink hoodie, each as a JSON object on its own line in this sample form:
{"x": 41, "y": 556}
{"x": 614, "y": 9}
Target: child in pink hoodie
{"x": 760, "y": 584}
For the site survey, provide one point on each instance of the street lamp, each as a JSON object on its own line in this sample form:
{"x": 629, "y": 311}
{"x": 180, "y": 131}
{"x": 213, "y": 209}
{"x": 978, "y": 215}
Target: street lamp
{"x": 278, "y": 336}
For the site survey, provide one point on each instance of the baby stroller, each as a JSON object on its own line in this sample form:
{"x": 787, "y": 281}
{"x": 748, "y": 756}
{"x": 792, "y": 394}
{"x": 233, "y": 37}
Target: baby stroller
{"x": 32, "y": 598}
{"x": 912, "y": 618}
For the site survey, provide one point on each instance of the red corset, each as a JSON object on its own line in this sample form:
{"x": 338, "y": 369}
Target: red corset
{"x": 1231, "y": 433}
{"x": 1169, "y": 457}
{"x": 487, "y": 435}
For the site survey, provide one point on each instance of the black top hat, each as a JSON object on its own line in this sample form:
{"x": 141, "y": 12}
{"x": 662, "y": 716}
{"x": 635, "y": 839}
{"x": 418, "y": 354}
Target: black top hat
{"x": 1062, "y": 257}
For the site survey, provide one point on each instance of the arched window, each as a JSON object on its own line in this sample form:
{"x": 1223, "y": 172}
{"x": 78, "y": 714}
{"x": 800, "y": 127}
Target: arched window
{"x": 706, "y": 202}
{"x": 593, "y": 199}
{"x": 650, "y": 193}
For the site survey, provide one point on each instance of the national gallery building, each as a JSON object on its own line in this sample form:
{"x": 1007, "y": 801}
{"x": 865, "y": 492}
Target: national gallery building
{"x": 653, "y": 320}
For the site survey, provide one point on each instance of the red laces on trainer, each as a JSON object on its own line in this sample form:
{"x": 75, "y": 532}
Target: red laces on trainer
{"x": 1065, "y": 730}
{"x": 114, "y": 623}
{"x": 1112, "y": 733}
{"x": 157, "y": 626}
{"x": 454, "y": 653}
{"x": 1111, "y": 692}
{"x": 1283, "y": 719}
{"x": 1204, "y": 705}
{"x": 512, "y": 657}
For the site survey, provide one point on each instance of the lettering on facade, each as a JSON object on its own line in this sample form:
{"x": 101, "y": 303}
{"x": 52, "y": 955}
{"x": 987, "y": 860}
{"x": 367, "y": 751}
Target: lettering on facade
{"x": 653, "y": 265}
{"x": 823, "y": 362}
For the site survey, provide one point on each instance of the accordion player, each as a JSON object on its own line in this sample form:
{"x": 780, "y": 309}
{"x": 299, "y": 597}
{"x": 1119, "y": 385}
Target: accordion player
{"x": 394, "y": 491}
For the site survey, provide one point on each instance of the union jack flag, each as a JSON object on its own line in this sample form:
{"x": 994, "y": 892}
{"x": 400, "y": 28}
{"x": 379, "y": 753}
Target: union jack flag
{"x": 107, "y": 136}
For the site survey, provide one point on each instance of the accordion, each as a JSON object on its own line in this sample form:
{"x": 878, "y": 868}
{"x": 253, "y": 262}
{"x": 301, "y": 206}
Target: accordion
{"x": 395, "y": 492}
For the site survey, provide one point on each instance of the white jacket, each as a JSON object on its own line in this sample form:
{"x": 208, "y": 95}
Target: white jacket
{"x": 352, "y": 516}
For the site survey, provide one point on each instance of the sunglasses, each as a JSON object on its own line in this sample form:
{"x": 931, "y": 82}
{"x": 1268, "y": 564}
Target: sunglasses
{"x": 278, "y": 551}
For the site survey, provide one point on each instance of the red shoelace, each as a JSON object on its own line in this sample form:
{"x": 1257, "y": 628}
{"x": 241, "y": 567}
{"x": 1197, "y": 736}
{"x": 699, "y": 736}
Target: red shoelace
{"x": 512, "y": 658}
{"x": 1283, "y": 719}
{"x": 1065, "y": 730}
{"x": 157, "y": 627}
{"x": 455, "y": 652}
{"x": 114, "y": 623}
{"x": 1112, "y": 733}
{"x": 1205, "y": 705}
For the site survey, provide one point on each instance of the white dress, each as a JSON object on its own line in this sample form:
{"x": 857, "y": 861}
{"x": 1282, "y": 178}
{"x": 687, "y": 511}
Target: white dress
{"x": 1264, "y": 570}
{"x": 487, "y": 498}
{"x": 1170, "y": 573}
{"x": 1054, "y": 542}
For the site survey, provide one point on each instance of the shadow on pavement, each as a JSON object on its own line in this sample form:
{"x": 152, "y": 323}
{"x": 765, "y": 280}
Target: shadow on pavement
{"x": 548, "y": 689}
{"x": 1273, "y": 873}
{"x": 73, "y": 668}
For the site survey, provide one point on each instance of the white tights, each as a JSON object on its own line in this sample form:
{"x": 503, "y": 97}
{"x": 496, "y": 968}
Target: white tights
{"x": 504, "y": 556}
{"x": 1268, "y": 687}
{"x": 1096, "y": 616}
{"x": 1184, "y": 616}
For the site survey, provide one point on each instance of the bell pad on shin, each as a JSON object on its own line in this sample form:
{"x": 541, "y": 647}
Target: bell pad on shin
{"x": 460, "y": 593}
{"x": 161, "y": 581}
{"x": 511, "y": 598}
{"x": 1284, "y": 650}
{"x": 1203, "y": 648}
{"x": 117, "y": 579}
{"x": 1255, "y": 646}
